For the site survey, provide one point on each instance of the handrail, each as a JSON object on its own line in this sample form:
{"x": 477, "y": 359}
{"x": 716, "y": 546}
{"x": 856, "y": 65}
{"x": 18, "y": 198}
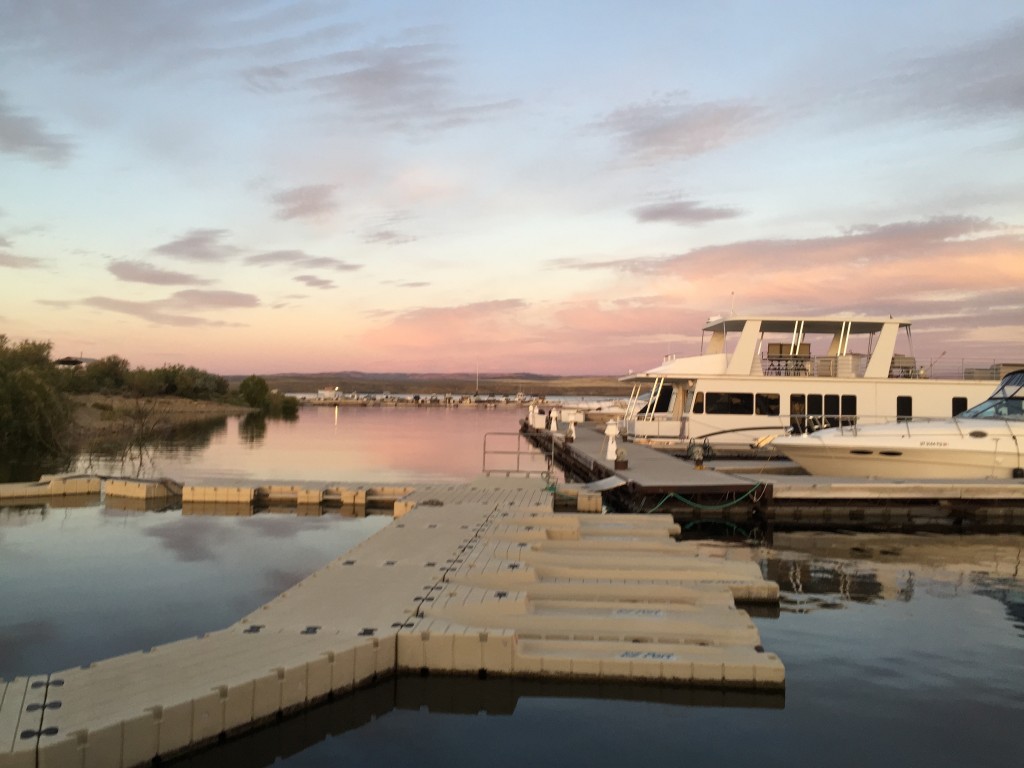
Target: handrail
{"x": 779, "y": 360}
{"x": 520, "y": 453}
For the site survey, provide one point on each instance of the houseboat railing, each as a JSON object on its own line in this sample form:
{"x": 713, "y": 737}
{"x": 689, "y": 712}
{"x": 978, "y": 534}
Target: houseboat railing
{"x": 902, "y": 367}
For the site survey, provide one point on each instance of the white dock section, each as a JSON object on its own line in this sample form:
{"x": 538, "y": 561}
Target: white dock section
{"x": 648, "y": 467}
{"x": 481, "y": 578}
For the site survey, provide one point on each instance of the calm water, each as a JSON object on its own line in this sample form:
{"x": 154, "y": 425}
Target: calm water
{"x": 363, "y": 445}
{"x": 899, "y": 650}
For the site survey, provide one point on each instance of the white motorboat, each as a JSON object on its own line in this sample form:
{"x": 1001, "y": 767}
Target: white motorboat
{"x": 982, "y": 442}
{"x": 760, "y": 377}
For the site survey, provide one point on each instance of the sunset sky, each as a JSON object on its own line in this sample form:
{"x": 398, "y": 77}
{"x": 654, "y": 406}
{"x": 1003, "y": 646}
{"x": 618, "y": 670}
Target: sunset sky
{"x": 557, "y": 187}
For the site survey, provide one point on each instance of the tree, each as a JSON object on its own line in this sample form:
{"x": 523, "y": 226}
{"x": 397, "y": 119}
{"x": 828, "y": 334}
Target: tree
{"x": 282, "y": 406}
{"x": 110, "y": 376}
{"x": 35, "y": 413}
{"x": 255, "y": 391}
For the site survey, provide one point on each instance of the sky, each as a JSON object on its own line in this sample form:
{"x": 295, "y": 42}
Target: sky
{"x": 256, "y": 186}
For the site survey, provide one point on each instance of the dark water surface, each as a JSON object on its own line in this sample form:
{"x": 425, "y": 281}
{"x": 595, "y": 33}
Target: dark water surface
{"x": 899, "y": 650}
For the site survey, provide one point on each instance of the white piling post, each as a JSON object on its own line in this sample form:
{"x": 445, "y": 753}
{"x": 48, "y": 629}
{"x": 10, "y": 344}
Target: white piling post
{"x": 612, "y": 433}
{"x": 554, "y": 419}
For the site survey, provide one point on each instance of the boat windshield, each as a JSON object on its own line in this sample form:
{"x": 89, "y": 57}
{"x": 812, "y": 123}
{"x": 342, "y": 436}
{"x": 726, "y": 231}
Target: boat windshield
{"x": 1007, "y": 402}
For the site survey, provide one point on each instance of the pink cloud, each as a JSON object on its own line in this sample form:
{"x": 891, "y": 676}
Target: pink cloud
{"x": 956, "y": 278}
{"x": 905, "y": 262}
{"x": 442, "y": 332}
{"x": 580, "y": 335}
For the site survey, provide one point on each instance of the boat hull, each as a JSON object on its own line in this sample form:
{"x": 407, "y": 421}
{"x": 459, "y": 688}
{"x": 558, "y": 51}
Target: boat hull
{"x": 912, "y": 452}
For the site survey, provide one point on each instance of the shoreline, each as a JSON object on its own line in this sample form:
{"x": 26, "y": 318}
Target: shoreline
{"x": 400, "y": 403}
{"x": 116, "y": 417}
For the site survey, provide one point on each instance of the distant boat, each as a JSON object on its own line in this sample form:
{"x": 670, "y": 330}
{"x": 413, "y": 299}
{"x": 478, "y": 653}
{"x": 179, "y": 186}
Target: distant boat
{"x": 759, "y": 377}
{"x": 985, "y": 441}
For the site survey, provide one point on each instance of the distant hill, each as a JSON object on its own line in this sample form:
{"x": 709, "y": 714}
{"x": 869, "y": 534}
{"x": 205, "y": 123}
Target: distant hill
{"x": 447, "y": 383}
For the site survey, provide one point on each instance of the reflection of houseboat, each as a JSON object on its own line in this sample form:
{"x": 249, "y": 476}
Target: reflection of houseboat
{"x": 758, "y": 377}
{"x": 982, "y": 442}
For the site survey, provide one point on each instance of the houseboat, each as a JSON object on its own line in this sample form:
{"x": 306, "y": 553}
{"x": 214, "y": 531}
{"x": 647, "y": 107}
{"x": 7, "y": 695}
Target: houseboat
{"x": 760, "y": 377}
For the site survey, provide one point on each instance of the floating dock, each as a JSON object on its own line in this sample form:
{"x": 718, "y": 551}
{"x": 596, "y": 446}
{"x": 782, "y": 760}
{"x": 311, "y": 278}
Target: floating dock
{"x": 751, "y": 496}
{"x": 480, "y": 579}
{"x": 142, "y": 494}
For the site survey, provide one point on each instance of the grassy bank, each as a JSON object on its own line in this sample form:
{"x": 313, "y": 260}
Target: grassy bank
{"x": 115, "y": 418}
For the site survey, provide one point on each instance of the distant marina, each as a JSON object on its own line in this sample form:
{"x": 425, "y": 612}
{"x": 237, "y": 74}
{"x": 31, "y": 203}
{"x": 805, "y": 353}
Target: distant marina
{"x": 337, "y": 398}
{"x": 353, "y": 399}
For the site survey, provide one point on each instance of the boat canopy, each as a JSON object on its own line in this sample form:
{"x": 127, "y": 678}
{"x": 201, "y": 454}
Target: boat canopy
{"x": 853, "y": 325}
{"x": 1007, "y": 402}
{"x": 790, "y": 353}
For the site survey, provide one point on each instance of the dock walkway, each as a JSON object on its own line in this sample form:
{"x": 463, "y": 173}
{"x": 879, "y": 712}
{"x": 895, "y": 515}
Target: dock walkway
{"x": 475, "y": 579}
{"x": 749, "y": 495}
{"x": 647, "y": 468}
{"x": 649, "y": 480}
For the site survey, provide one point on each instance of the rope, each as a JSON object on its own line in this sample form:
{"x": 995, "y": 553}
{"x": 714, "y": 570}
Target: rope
{"x": 697, "y": 505}
{"x": 735, "y": 528}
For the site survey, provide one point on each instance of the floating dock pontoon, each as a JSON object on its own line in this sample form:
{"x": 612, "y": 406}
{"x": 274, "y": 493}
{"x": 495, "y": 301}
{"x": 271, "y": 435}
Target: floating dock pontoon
{"x": 480, "y": 579}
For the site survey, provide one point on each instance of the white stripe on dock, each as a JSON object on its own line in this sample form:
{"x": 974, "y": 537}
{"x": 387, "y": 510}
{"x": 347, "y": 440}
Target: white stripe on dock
{"x": 475, "y": 578}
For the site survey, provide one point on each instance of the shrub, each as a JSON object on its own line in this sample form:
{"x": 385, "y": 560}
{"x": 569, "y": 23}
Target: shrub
{"x": 35, "y": 412}
{"x": 255, "y": 391}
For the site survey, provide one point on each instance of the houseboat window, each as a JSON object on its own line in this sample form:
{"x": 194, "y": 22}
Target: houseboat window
{"x": 832, "y": 410}
{"x": 729, "y": 402}
{"x": 690, "y": 399}
{"x": 848, "y": 410}
{"x": 698, "y": 403}
{"x": 814, "y": 405}
{"x": 797, "y": 414}
{"x": 661, "y": 405}
{"x": 715, "y": 402}
{"x": 831, "y": 405}
{"x": 904, "y": 408}
{"x": 766, "y": 405}
{"x": 959, "y": 405}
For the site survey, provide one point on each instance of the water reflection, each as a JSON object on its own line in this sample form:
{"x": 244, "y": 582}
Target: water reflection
{"x": 140, "y": 455}
{"x": 800, "y": 580}
{"x": 23, "y": 515}
{"x": 192, "y": 540}
{"x": 1011, "y": 594}
{"x": 16, "y": 467}
{"x": 252, "y": 428}
{"x": 831, "y": 570}
{"x": 85, "y": 584}
{"x": 498, "y": 697}
{"x": 365, "y": 445}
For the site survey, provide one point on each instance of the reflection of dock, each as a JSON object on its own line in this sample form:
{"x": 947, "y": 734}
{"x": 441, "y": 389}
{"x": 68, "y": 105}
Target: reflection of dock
{"x": 237, "y": 500}
{"x": 479, "y": 579}
{"x": 887, "y": 566}
{"x": 746, "y": 495}
{"x": 490, "y": 697}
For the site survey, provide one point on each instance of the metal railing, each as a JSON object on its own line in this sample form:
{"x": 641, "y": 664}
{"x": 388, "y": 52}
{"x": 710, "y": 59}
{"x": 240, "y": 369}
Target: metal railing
{"x": 902, "y": 367}
{"x": 510, "y": 454}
